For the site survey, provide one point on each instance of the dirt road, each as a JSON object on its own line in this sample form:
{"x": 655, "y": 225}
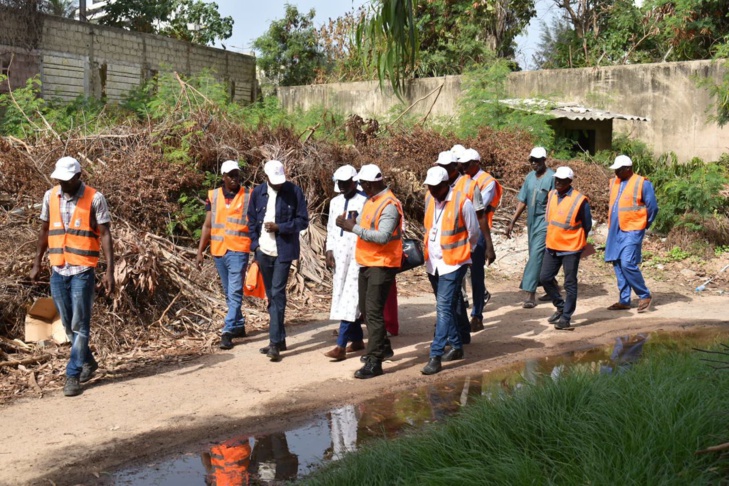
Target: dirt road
{"x": 73, "y": 440}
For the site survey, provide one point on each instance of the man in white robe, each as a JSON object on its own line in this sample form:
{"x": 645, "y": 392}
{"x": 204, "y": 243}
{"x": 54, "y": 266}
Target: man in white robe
{"x": 340, "y": 258}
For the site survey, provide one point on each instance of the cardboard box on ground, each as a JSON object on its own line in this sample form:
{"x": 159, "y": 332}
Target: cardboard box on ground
{"x": 43, "y": 322}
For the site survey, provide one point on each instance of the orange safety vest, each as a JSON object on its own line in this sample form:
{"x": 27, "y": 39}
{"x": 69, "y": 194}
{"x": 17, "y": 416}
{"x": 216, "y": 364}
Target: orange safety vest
{"x": 370, "y": 254}
{"x": 79, "y": 243}
{"x": 632, "y": 211}
{"x": 465, "y": 185}
{"x": 564, "y": 233}
{"x": 230, "y": 461}
{"x": 229, "y": 224}
{"x": 483, "y": 180}
{"x": 453, "y": 232}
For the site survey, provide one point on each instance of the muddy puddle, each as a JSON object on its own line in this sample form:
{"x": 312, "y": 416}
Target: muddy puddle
{"x": 289, "y": 454}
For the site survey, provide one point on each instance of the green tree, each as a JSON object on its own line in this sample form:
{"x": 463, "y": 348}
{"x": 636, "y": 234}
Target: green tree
{"x": 190, "y": 20}
{"x": 60, "y": 8}
{"x": 289, "y": 52}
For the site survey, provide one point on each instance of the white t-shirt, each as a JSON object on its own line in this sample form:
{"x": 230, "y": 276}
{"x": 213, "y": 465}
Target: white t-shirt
{"x": 267, "y": 240}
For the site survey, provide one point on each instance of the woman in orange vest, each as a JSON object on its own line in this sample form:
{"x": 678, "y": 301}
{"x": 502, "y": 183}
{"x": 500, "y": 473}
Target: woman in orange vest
{"x": 379, "y": 253}
{"x": 451, "y": 231}
{"x": 226, "y": 230}
{"x": 569, "y": 221}
{"x": 76, "y": 225}
{"x": 632, "y": 209}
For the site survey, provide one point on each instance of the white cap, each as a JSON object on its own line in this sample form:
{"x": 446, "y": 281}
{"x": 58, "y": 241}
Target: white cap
{"x": 66, "y": 168}
{"x": 564, "y": 173}
{"x": 369, "y": 173}
{"x": 469, "y": 155}
{"x": 228, "y": 166}
{"x": 344, "y": 173}
{"x": 435, "y": 176}
{"x": 621, "y": 161}
{"x": 275, "y": 172}
{"x": 446, "y": 158}
{"x": 538, "y": 153}
{"x": 458, "y": 149}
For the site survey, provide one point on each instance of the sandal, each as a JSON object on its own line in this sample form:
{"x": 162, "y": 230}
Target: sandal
{"x": 529, "y": 304}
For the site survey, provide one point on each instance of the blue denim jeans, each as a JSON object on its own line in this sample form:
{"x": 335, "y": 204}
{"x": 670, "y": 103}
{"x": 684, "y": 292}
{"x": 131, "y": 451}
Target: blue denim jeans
{"x": 232, "y": 270}
{"x": 73, "y": 297}
{"x": 349, "y": 332}
{"x": 478, "y": 277}
{"x": 447, "y": 292}
{"x": 275, "y": 274}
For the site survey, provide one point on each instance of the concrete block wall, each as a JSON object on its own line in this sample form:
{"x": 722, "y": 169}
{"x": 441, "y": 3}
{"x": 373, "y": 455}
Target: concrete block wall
{"x": 664, "y": 92}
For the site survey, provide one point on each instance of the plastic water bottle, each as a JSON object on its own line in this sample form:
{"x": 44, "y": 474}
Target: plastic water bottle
{"x": 701, "y": 288}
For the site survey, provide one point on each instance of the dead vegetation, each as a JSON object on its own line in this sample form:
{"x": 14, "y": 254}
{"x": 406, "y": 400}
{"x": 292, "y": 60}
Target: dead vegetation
{"x": 164, "y": 309}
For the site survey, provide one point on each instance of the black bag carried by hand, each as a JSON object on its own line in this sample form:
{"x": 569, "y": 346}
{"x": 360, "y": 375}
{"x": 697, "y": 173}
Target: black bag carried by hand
{"x": 412, "y": 254}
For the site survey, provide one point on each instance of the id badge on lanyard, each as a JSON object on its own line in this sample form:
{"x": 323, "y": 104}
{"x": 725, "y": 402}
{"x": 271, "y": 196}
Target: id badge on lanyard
{"x": 433, "y": 233}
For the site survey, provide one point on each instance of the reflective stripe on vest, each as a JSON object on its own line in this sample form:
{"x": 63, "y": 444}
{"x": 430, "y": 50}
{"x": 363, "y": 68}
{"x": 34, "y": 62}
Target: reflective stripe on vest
{"x": 230, "y": 464}
{"x": 466, "y": 185}
{"x": 564, "y": 233}
{"x": 453, "y": 234}
{"x": 369, "y": 254}
{"x": 79, "y": 244}
{"x": 632, "y": 211}
{"x": 483, "y": 180}
{"x": 229, "y": 225}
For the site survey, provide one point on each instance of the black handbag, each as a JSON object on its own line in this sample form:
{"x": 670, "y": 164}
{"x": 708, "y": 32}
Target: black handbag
{"x": 412, "y": 254}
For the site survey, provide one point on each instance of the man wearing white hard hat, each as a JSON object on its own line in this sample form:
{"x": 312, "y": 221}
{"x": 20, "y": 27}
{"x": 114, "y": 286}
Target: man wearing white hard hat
{"x": 451, "y": 232}
{"x": 277, "y": 214}
{"x": 533, "y": 197}
{"x": 378, "y": 251}
{"x": 340, "y": 246}
{"x": 633, "y": 208}
{"x": 569, "y": 221}
{"x": 76, "y": 227}
{"x": 226, "y": 230}
{"x": 491, "y": 191}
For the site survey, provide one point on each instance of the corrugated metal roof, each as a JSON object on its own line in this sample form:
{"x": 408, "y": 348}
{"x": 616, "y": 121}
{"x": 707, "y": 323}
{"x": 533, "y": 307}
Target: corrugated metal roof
{"x": 571, "y": 111}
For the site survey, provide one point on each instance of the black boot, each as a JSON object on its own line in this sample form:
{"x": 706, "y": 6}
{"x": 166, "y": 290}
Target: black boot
{"x": 371, "y": 368}
{"x": 453, "y": 354}
{"x": 432, "y": 367}
{"x": 281, "y": 347}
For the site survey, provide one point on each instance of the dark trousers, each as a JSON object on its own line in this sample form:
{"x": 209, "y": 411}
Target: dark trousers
{"x": 550, "y": 266}
{"x": 275, "y": 275}
{"x": 374, "y": 287}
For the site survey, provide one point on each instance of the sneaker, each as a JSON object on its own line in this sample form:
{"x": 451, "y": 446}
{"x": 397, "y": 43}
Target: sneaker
{"x": 486, "y": 297}
{"x": 226, "y": 341}
{"x": 371, "y": 368}
{"x": 281, "y": 347}
{"x": 555, "y": 317}
{"x": 72, "y": 386}
{"x": 88, "y": 370}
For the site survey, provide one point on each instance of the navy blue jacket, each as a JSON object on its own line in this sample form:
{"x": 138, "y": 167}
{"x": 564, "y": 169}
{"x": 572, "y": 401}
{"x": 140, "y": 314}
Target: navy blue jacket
{"x": 291, "y": 218}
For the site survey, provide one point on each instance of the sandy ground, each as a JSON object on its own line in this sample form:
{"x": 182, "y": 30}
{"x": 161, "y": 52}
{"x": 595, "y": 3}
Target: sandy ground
{"x": 59, "y": 440}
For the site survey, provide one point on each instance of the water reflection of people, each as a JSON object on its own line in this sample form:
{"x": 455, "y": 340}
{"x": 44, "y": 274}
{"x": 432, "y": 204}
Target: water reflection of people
{"x": 343, "y": 431}
{"x": 227, "y": 464}
{"x": 271, "y": 459}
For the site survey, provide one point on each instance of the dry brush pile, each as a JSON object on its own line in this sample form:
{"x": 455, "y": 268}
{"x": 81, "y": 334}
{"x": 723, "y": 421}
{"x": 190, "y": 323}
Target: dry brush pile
{"x": 164, "y": 309}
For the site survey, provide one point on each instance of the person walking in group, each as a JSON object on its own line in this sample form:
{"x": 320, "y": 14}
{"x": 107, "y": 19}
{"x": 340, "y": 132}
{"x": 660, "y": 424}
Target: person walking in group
{"x": 632, "y": 210}
{"x": 226, "y": 230}
{"x": 568, "y": 223}
{"x": 277, "y": 213}
{"x": 76, "y": 225}
{"x": 533, "y": 197}
{"x": 490, "y": 190}
{"x": 451, "y": 231}
{"x": 340, "y": 248}
{"x": 379, "y": 253}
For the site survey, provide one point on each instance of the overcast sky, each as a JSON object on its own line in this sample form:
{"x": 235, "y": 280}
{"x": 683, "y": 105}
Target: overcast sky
{"x": 252, "y": 19}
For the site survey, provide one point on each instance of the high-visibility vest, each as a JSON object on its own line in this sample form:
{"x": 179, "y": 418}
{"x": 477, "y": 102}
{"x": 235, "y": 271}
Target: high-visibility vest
{"x": 483, "y": 179}
{"x": 229, "y": 224}
{"x": 564, "y": 233}
{"x": 230, "y": 461}
{"x": 79, "y": 243}
{"x": 370, "y": 254}
{"x": 453, "y": 232}
{"x": 466, "y": 185}
{"x": 632, "y": 212}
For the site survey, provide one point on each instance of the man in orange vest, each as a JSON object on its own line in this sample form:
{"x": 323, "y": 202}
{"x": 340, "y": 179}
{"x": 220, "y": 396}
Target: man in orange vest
{"x": 379, "y": 253}
{"x": 490, "y": 189}
{"x": 632, "y": 210}
{"x": 569, "y": 221}
{"x": 451, "y": 231}
{"x": 76, "y": 226}
{"x": 464, "y": 184}
{"x": 226, "y": 230}
{"x": 228, "y": 464}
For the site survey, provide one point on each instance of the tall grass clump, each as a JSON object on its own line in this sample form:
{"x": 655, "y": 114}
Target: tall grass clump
{"x": 639, "y": 427}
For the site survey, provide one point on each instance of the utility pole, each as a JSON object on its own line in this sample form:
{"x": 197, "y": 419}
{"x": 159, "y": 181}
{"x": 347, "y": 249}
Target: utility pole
{"x": 82, "y": 10}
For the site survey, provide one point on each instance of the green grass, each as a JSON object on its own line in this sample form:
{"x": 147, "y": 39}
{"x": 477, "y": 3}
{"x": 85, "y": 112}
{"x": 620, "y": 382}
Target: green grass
{"x": 639, "y": 427}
